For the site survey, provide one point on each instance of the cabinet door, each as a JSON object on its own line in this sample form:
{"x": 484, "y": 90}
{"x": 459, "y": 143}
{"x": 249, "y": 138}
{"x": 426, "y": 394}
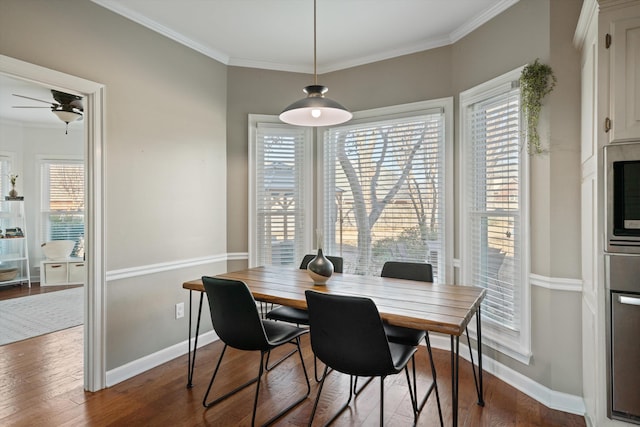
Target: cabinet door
{"x": 625, "y": 79}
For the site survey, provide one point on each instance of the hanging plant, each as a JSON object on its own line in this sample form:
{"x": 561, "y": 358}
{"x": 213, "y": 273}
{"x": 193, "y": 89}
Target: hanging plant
{"x": 536, "y": 81}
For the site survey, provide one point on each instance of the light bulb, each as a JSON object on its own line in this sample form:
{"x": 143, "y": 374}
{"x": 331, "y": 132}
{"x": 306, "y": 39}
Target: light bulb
{"x": 315, "y": 113}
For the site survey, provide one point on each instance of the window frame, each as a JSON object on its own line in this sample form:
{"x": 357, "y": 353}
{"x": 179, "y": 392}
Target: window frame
{"x": 512, "y": 343}
{"x": 404, "y": 110}
{"x": 254, "y": 120}
{"x": 40, "y": 161}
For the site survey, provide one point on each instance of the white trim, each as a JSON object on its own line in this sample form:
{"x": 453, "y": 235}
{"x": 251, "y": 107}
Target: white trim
{"x": 138, "y": 366}
{"x": 237, "y": 256}
{"x": 253, "y": 121}
{"x": 144, "y": 270}
{"x": 556, "y": 283}
{"x": 550, "y": 398}
{"x": 94, "y": 330}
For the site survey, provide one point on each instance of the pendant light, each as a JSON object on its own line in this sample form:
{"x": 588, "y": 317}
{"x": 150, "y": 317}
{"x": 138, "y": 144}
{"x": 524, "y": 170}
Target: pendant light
{"x": 315, "y": 109}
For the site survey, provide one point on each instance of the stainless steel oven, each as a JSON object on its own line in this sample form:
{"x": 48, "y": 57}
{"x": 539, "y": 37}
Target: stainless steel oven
{"x": 622, "y": 182}
{"x": 623, "y": 336}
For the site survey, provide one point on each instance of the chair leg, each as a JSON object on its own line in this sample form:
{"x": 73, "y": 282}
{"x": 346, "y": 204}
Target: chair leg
{"x": 257, "y": 379}
{"x": 382, "y": 401}
{"x": 297, "y": 402}
{"x": 213, "y": 377}
{"x": 341, "y": 410}
{"x": 282, "y": 359}
{"x": 355, "y": 385}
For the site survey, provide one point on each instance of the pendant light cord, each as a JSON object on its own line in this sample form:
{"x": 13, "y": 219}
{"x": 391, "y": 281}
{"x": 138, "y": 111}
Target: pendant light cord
{"x": 315, "y": 72}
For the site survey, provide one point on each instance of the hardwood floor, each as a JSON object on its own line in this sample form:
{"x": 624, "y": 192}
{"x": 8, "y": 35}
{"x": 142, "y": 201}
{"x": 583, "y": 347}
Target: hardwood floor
{"x": 17, "y": 291}
{"x": 41, "y": 385}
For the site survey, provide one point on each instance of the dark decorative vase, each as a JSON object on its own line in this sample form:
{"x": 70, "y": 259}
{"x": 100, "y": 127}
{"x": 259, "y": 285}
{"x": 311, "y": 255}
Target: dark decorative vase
{"x": 320, "y": 269}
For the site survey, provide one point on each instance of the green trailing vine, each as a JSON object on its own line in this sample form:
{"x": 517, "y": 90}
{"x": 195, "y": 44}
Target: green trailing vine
{"x": 536, "y": 81}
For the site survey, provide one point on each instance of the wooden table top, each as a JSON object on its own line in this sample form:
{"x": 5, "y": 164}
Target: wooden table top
{"x": 412, "y": 304}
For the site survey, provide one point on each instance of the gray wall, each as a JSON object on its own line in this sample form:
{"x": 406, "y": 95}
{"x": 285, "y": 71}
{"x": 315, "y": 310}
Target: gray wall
{"x": 531, "y": 29}
{"x": 164, "y": 155}
{"x": 174, "y": 116}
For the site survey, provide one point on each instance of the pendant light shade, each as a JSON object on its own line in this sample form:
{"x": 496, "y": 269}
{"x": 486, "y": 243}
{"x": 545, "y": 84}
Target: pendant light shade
{"x": 315, "y": 109}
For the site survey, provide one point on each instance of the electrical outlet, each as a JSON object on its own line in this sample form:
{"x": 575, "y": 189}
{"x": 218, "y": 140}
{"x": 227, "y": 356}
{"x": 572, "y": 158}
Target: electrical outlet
{"x": 179, "y": 310}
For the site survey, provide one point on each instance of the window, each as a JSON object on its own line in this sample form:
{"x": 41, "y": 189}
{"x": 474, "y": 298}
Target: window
{"x": 62, "y": 206}
{"x": 494, "y": 209}
{"x": 384, "y": 187}
{"x": 5, "y": 170}
{"x": 280, "y": 191}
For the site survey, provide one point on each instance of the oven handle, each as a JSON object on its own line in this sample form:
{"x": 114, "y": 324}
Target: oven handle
{"x": 628, "y": 300}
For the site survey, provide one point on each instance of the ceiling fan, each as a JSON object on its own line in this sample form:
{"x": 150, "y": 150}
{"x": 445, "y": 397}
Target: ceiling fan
{"x": 66, "y": 107}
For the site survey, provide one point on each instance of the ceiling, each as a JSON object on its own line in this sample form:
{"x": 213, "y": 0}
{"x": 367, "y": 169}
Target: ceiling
{"x": 278, "y": 35}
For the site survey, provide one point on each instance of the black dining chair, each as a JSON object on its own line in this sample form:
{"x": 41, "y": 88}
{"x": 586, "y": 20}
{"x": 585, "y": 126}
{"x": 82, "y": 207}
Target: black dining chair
{"x": 422, "y": 272}
{"x": 299, "y": 316}
{"x": 237, "y": 322}
{"x": 347, "y": 335}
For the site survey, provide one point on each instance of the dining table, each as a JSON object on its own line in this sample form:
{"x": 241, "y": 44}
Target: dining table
{"x": 431, "y": 307}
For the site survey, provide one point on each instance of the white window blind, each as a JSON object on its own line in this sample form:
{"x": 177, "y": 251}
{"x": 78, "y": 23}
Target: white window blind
{"x": 62, "y": 201}
{"x": 494, "y": 207}
{"x": 383, "y": 192}
{"x": 281, "y": 198}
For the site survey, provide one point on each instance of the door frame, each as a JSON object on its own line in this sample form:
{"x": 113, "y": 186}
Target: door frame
{"x": 95, "y": 287}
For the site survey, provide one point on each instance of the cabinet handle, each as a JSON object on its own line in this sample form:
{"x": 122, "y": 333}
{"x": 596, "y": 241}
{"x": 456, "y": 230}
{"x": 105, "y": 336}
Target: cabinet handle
{"x": 56, "y": 266}
{"x": 628, "y": 300}
{"x": 607, "y": 124}
{"x": 78, "y": 265}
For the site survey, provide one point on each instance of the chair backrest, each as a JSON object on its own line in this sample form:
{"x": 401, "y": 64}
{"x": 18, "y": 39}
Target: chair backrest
{"x": 347, "y": 334}
{"x": 234, "y": 314}
{"x": 408, "y": 270}
{"x": 335, "y": 260}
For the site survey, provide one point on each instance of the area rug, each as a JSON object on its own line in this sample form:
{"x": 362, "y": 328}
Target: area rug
{"x": 26, "y": 317}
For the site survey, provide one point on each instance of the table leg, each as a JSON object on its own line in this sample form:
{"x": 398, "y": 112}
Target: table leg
{"x": 192, "y": 358}
{"x": 455, "y": 353}
{"x": 479, "y": 339}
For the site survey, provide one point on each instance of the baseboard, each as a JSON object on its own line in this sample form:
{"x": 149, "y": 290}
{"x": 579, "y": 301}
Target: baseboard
{"x": 550, "y": 398}
{"x": 158, "y": 358}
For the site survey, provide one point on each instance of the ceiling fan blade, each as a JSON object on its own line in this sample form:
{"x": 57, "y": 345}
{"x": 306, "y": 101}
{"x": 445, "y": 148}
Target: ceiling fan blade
{"x": 24, "y": 106}
{"x": 36, "y": 99}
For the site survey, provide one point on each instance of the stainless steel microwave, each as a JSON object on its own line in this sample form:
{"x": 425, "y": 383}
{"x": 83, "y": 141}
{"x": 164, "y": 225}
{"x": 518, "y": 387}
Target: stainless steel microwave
{"x": 622, "y": 184}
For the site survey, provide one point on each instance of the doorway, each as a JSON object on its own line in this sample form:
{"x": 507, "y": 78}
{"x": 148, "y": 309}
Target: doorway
{"x": 94, "y": 311}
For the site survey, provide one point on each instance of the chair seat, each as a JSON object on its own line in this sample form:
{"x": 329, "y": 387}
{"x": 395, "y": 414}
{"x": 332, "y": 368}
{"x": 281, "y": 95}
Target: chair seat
{"x": 406, "y": 336}
{"x": 401, "y": 354}
{"x": 289, "y": 314}
{"x": 280, "y": 333}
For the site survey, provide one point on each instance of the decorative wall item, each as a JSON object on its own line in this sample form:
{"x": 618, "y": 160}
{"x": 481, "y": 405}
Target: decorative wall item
{"x": 536, "y": 81}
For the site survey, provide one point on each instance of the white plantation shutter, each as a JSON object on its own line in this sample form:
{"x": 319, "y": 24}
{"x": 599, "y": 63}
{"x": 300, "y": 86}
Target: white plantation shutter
{"x": 386, "y": 174}
{"x": 494, "y": 204}
{"x": 281, "y": 175}
{"x": 62, "y": 200}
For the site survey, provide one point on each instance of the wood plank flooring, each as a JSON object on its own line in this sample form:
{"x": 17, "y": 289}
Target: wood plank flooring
{"x": 41, "y": 385}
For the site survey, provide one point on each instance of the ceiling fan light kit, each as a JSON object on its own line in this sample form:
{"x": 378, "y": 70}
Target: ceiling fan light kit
{"x": 68, "y": 108}
{"x": 315, "y": 109}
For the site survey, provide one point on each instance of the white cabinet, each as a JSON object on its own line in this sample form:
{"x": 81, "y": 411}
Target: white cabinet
{"x": 608, "y": 35}
{"x": 14, "y": 254}
{"x": 623, "y": 41}
{"x": 68, "y": 271}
